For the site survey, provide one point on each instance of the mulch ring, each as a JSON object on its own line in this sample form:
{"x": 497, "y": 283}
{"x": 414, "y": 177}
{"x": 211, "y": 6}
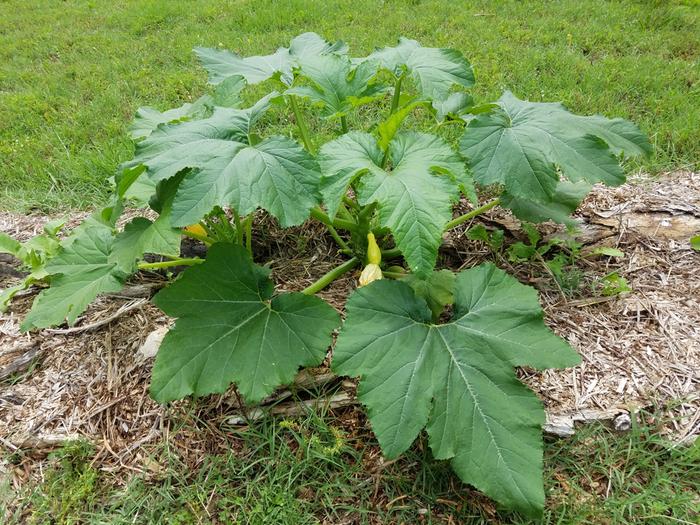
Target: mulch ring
{"x": 639, "y": 349}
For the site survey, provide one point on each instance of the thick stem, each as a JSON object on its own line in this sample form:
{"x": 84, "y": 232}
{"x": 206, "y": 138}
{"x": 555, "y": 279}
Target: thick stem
{"x": 301, "y": 123}
{"x": 353, "y": 204}
{"x": 239, "y": 229}
{"x": 385, "y": 159}
{"x": 344, "y": 124}
{"x": 230, "y": 230}
{"x": 169, "y": 264}
{"x": 248, "y": 227}
{"x": 478, "y": 211}
{"x": 344, "y": 214}
{"x": 397, "y": 96}
{"x": 394, "y": 275}
{"x": 334, "y": 233}
{"x": 331, "y": 276}
{"x": 203, "y": 238}
{"x": 318, "y": 213}
{"x": 391, "y": 253}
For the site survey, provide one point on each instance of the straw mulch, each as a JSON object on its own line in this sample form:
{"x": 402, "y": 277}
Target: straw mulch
{"x": 639, "y": 349}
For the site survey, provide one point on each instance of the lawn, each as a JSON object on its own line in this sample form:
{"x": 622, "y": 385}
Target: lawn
{"x": 310, "y": 471}
{"x": 72, "y": 73}
{"x": 71, "y": 77}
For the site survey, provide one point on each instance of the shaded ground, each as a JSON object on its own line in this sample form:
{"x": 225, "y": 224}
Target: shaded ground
{"x": 639, "y": 349}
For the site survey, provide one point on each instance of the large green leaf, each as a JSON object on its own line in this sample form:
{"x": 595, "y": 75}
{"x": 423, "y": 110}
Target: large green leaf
{"x": 559, "y": 207}
{"x": 524, "y": 146}
{"x": 415, "y": 197}
{"x": 227, "y": 124}
{"x": 230, "y": 328}
{"x": 222, "y": 64}
{"x": 147, "y": 119}
{"x": 336, "y": 86}
{"x": 79, "y": 274}
{"x": 456, "y": 379}
{"x": 275, "y": 174}
{"x": 434, "y": 70}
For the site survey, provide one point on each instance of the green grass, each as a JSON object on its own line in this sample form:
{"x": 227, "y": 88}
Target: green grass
{"x": 314, "y": 469}
{"x": 72, "y": 73}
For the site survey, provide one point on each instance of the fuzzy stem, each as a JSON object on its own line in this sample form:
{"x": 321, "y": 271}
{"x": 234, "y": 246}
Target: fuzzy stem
{"x": 331, "y": 276}
{"x": 478, "y": 211}
{"x": 301, "y": 123}
{"x": 169, "y": 264}
{"x": 344, "y": 124}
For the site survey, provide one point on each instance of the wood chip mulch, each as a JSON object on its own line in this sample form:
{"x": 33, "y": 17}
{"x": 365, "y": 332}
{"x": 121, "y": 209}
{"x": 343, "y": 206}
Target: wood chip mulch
{"x": 639, "y": 348}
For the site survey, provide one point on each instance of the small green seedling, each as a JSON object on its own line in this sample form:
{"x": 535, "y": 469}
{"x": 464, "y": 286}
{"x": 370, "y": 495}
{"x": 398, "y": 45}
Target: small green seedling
{"x": 614, "y": 284}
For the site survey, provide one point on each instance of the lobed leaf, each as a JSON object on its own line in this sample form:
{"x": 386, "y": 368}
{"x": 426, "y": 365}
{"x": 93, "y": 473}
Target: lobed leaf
{"x": 456, "y": 379}
{"x": 81, "y": 272}
{"x": 434, "y": 70}
{"x": 336, "y": 85}
{"x": 222, "y": 64}
{"x": 148, "y": 119}
{"x": 525, "y": 145}
{"x": 230, "y": 328}
{"x": 226, "y": 169}
{"x": 415, "y": 197}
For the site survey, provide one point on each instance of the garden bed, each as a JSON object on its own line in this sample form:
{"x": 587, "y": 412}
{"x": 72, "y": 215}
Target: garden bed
{"x": 639, "y": 348}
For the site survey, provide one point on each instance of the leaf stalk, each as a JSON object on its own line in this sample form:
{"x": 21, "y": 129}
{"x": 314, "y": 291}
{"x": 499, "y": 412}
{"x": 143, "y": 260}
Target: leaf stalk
{"x": 331, "y": 276}
{"x": 301, "y": 123}
{"x": 169, "y": 264}
{"x": 475, "y": 212}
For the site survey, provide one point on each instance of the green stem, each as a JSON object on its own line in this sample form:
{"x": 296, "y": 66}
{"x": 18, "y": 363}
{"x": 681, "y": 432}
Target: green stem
{"x": 344, "y": 124}
{"x": 217, "y": 229}
{"x": 397, "y": 96}
{"x": 331, "y": 229}
{"x": 301, "y": 123}
{"x": 205, "y": 225}
{"x": 331, "y": 276}
{"x": 391, "y": 253}
{"x": 248, "y": 226}
{"x": 385, "y": 159}
{"x": 394, "y": 275}
{"x": 169, "y": 264}
{"x": 343, "y": 213}
{"x": 203, "y": 238}
{"x": 478, "y": 211}
{"x": 230, "y": 230}
{"x": 354, "y": 205}
{"x": 239, "y": 230}
{"x": 318, "y": 213}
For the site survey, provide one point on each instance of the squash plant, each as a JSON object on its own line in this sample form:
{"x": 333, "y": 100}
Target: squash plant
{"x": 432, "y": 349}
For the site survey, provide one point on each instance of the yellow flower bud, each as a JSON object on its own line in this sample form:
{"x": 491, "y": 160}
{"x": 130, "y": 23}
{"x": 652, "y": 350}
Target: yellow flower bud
{"x": 197, "y": 229}
{"x": 371, "y": 272}
{"x": 374, "y": 254}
